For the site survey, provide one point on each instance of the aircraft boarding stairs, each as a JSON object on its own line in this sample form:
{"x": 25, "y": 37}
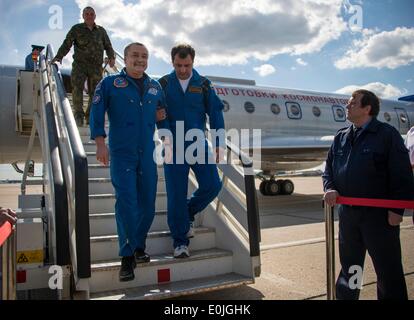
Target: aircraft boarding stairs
{"x": 224, "y": 252}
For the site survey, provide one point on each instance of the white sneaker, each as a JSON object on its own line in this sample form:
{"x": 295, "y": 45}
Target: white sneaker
{"x": 181, "y": 252}
{"x": 190, "y": 233}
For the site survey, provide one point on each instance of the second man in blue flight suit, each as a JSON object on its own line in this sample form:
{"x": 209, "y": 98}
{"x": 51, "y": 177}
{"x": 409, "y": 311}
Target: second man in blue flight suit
{"x": 131, "y": 99}
{"x": 190, "y": 97}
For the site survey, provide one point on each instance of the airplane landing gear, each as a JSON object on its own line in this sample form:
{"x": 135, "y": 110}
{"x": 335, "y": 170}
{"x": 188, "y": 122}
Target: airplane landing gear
{"x": 274, "y": 187}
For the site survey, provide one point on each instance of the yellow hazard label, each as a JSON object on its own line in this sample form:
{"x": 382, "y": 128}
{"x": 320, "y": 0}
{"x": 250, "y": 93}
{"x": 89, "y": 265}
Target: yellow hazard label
{"x": 34, "y": 256}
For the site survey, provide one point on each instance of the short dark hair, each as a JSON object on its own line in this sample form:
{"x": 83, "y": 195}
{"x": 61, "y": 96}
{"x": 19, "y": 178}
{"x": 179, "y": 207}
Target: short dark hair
{"x": 369, "y": 99}
{"x": 129, "y": 47}
{"x": 183, "y": 50}
{"x": 87, "y": 8}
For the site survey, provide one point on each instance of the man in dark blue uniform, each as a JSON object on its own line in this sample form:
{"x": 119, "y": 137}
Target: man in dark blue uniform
{"x": 369, "y": 160}
{"x": 131, "y": 99}
{"x": 190, "y": 98}
{"x": 29, "y": 63}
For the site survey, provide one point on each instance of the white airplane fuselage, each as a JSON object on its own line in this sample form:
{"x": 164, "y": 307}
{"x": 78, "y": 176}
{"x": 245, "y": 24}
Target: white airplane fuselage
{"x": 297, "y": 127}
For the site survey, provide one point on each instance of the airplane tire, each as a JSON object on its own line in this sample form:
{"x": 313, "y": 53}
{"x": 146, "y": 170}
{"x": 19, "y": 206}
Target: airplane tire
{"x": 272, "y": 188}
{"x": 287, "y": 187}
{"x": 262, "y": 187}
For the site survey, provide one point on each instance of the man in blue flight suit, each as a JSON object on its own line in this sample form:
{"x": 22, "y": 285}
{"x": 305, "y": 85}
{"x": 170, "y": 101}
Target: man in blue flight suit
{"x": 29, "y": 62}
{"x": 369, "y": 160}
{"x": 190, "y": 97}
{"x": 131, "y": 99}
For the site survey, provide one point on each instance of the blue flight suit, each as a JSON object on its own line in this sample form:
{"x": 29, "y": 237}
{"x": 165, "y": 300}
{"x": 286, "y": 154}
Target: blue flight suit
{"x": 376, "y": 165}
{"x": 132, "y": 120}
{"x": 189, "y": 107}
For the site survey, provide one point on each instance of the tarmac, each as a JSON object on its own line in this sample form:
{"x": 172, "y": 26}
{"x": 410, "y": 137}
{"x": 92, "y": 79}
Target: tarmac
{"x": 292, "y": 248}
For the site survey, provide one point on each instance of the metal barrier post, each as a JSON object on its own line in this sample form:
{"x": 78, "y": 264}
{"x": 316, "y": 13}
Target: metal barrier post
{"x": 4, "y": 271}
{"x": 330, "y": 251}
{"x": 12, "y": 265}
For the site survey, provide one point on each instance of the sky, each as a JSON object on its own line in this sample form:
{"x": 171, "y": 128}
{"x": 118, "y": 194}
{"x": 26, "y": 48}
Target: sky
{"x": 318, "y": 45}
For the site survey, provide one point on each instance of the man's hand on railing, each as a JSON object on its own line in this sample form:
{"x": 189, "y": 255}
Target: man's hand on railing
{"x": 55, "y": 59}
{"x": 102, "y": 154}
{"x": 330, "y": 197}
{"x": 7, "y": 215}
{"x": 394, "y": 219}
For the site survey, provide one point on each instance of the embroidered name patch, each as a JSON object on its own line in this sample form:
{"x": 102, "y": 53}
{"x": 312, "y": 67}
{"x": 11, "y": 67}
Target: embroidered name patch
{"x": 195, "y": 89}
{"x": 120, "y": 82}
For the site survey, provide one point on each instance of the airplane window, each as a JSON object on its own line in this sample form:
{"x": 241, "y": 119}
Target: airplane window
{"x": 387, "y": 116}
{"x": 226, "y": 106}
{"x": 275, "y": 108}
{"x": 249, "y": 107}
{"x": 403, "y": 118}
{"x": 316, "y": 111}
{"x": 293, "y": 110}
{"x": 339, "y": 113}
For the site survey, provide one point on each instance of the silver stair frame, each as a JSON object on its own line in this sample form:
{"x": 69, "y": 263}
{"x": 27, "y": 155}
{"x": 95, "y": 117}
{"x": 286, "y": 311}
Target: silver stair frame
{"x": 74, "y": 161}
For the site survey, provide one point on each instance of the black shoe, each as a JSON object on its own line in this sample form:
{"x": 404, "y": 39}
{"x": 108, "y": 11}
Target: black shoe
{"x": 141, "y": 256}
{"x": 128, "y": 264}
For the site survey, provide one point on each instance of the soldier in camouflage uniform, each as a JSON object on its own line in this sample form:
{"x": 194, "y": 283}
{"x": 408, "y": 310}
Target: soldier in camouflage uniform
{"x": 90, "y": 41}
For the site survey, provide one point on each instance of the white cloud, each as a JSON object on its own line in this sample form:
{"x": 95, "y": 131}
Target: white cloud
{"x": 409, "y": 80}
{"x": 388, "y": 49}
{"x": 380, "y": 89}
{"x": 301, "y": 62}
{"x": 224, "y": 32}
{"x": 265, "y": 70}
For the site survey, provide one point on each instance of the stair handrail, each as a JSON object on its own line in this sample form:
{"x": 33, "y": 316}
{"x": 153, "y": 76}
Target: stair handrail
{"x": 76, "y": 174}
{"x": 55, "y": 169}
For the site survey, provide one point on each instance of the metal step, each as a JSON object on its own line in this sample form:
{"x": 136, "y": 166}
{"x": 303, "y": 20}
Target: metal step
{"x": 175, "y": 289}
{"x": 98, "y": 171}
{"x": 102, "y": 224}
{"x": 104, "y": 185}
{"x": 158, "y": 242}
{"x": 101, "y": 203}
{"x": 201, "y": 264}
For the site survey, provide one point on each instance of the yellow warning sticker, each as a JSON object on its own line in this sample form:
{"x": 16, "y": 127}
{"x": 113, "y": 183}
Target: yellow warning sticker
{"x": 34, "y": 256}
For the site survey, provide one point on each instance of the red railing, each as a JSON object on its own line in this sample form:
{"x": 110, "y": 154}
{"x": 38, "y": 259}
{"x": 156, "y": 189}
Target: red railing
{"x": 8, "y": 265}
{"x": 5, "y": 232}
{"x": 378, "y": 203}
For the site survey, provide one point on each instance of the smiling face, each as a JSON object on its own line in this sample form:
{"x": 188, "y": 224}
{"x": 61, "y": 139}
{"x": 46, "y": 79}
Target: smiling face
{"x": 183, "y": 66}
{"x": 136, "y": 61}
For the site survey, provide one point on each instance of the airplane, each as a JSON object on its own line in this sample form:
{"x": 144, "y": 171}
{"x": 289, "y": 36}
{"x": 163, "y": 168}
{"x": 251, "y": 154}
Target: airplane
{"x": 297, "y": 126}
